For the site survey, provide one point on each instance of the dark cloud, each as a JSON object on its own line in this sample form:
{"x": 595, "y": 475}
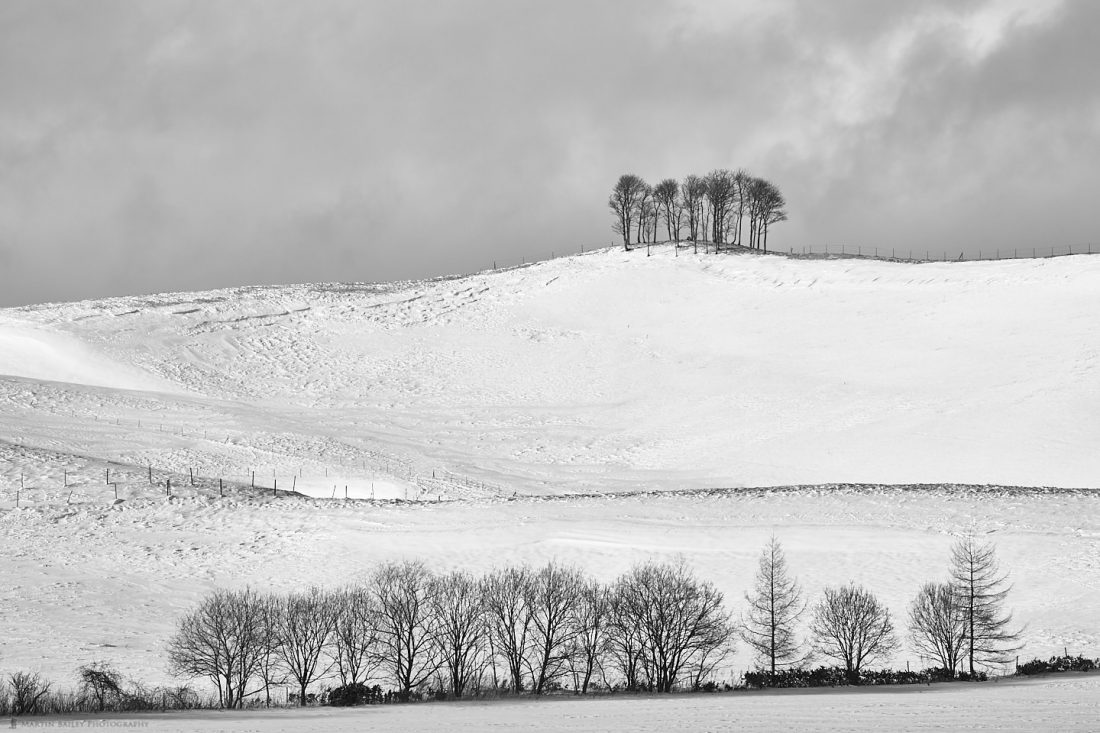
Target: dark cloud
{"x": 151, "y": 146}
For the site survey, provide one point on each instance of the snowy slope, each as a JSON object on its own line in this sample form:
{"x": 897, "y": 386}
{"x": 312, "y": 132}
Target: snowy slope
{"x": 609, "y": 372}
{"x": 599, "y": 372}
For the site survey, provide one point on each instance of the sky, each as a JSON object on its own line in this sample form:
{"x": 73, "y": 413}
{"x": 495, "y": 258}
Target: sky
{"x": 159, "y": 145}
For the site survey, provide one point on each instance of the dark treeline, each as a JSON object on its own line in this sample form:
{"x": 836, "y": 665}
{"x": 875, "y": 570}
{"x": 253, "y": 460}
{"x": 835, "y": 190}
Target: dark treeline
{"x": 722, "y": 207}
{"x": 518, "y": 629}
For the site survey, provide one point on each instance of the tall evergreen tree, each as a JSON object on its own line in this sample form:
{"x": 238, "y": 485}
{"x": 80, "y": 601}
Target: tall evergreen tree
{"x": 981, "y": 589}
{"x": 775, "y": 607}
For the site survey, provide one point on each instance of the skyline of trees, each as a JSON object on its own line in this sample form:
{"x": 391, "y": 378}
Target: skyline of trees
{"x": 713, "y": 208}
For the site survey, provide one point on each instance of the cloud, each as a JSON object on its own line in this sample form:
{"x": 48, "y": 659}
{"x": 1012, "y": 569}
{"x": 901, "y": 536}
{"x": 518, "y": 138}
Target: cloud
{"x": 184, "y": 145}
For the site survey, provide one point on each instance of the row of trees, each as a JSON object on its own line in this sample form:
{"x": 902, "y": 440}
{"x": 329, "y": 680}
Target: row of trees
{"x": 960, "y": 623}
{"x": 711, "y": 208}
{"x": 517, "y": 628}
{"x": 657, "y": 627}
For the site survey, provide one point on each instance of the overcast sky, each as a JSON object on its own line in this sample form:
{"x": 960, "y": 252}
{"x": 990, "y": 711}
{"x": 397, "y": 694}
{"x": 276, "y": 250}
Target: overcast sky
{"x": 156, "y": 145}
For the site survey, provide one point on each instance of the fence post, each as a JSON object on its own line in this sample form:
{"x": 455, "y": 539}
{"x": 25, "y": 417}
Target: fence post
{"x": 220, "y": 489}
{"x": 167, "y": 487}
{"x": 108, "y": 476}
{"x": 150, "y": 474}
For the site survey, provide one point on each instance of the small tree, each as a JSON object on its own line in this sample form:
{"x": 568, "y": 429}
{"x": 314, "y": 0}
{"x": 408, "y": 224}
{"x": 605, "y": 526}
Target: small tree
{"x": 27, "y": 689}
{"x": 100, "y": 682}
{"x": 554, "y": 594}
{"x": 981, "y": 590}
{"x": 624, "y": 202}
{"x": 408, "y": 632}
{"x": 304, "y": 623}
{"x": 693, "y": 193}
{"x": 721, "y": 188}
{"x": 775, "y": 607}
{"x": 680, "y": 619}
{"x": 937, "y": 625}
{"x": 667, "y": 194}
{"x": 852, "y": 627}
{"x": 592, "y": 618}
{"x": 269, "y": 666}
{"x": 510, "y": 619}
{"x": 354, "y": 635}
{"x": 223, "y": 639}
{"x": 459, "y": 611}
{"x": 624, "y": 638}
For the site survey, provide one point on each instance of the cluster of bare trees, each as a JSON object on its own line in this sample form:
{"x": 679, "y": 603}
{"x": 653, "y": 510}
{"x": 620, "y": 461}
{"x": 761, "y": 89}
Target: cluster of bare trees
{"x": 711, "y": 208}
{"x": 960, "y": 624}
{"x": 517, "y": 628}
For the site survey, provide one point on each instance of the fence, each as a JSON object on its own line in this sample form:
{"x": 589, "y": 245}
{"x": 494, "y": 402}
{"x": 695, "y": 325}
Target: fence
{"x": 35, "y": 476}
{"x": 908, "y": 254}
{"x": 889, "y": 254}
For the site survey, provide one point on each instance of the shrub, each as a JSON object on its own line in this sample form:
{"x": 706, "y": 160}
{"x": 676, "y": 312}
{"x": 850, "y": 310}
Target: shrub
{"x": 356, "y": 693}
{"x": 26, "y": 691}
{"x": 837, "y": 676}
{"x": 1057, "y": 664}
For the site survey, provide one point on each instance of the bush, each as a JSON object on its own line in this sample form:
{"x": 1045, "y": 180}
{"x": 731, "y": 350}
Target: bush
{"x": 356, "y": 693}
{"x": 837, "y": 677}
{"x": 1057, "y": 664}
{"x": 27, "y": 690}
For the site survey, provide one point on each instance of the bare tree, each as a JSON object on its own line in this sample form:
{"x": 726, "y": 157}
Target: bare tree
{"x": 223, "y": 640}
{"x": 510, "y": 619}
{"x": 679, "y": 617}
{"x": 27, "y": 689}
{"x": 458, "y": 608}
{"x": 981, "y": 590}
{"x": 667, "y": 194}
{"x": 643, "y": 213}
{"x": 852, "y": 627}
{"x": 303, "y": 627}
{"x": 624, "y": 638}
{"x": 269, "y": 664}
{"x": 624, "y": 202}
{"x": 354, "y": 634}
{"x": 938, "y": 625}
{"x": 100, "y": 682}
{"x": 741, "y": 181}
{"x": 775, "y": 606}
{"x": 720, "y": 190}
{"x": 770, "y": 207}
{"x": 592, "y": 618}
{"x": 554, "y": 593}
{"x": 693, "y": 193}
{"x": 408, "y": 633}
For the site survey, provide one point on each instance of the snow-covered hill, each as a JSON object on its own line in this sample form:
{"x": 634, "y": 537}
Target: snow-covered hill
{"x": 599, "y": 372}
{"x": 495, "y": 392}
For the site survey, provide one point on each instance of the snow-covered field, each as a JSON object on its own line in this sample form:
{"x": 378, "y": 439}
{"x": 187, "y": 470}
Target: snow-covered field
{"x": 522, "y": 411}
{"x": 1069, "y": 703}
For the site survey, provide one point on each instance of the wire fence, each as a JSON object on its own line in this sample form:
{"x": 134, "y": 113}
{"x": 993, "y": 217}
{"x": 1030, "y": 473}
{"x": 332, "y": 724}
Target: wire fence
{"x": 830, "y": 251}
{"x": 910, "y": 254}
{"x": 33, "y": 476}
